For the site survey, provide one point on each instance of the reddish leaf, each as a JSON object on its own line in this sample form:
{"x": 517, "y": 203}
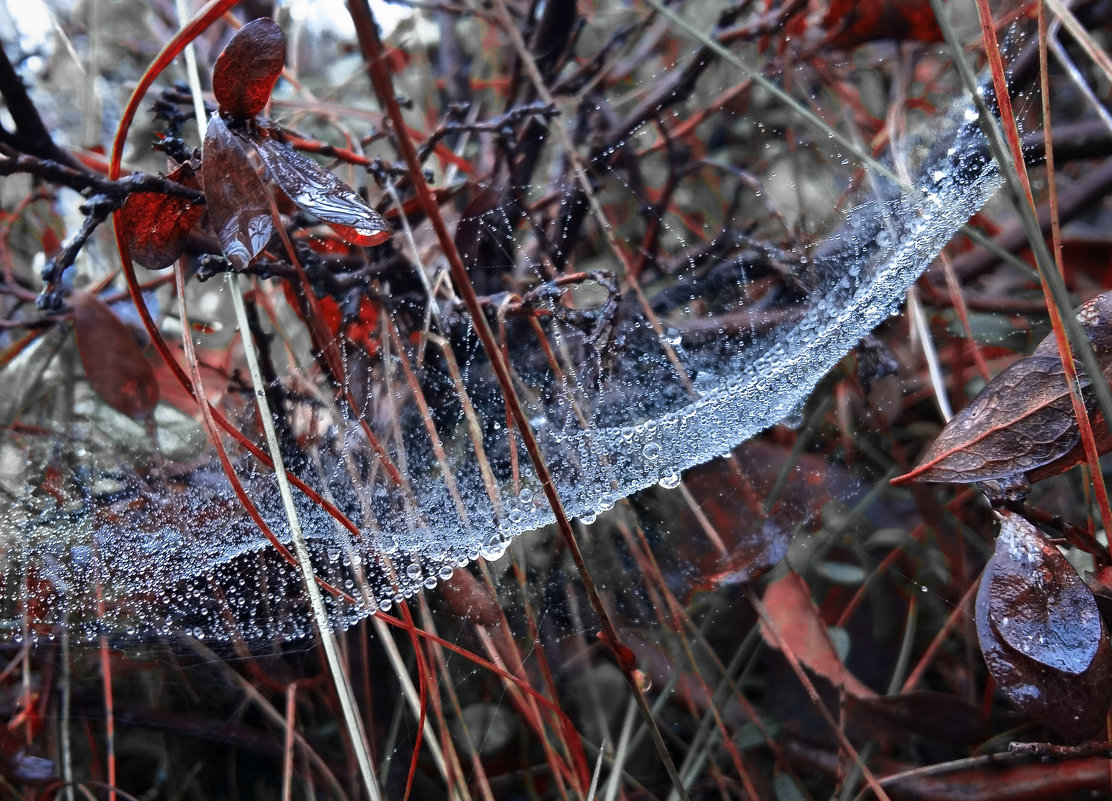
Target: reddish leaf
{"x": 1023, "y": 420}
{"x": 1041, "y": 633}
{"x": 247, "y": 69}
{"x": 860, "y": 21}
{"x": 798, "y": 622}
{"x": 321, "y": 193}
{"x": 115, "y": 365}
{"x": 156, "y": 225}
{"x": 238, "y": 205}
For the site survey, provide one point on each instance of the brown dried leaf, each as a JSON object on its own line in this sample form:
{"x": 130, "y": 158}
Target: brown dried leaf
{"x": 114, "y": 364}
{"x": 789, "y": 604}
{"x": 156, "y": 226}
{"x": 238, "y": 204}
{"x": 1041, "y": 633}
{"x": 249, "y": 66}
{"x": 1024, "y": 419}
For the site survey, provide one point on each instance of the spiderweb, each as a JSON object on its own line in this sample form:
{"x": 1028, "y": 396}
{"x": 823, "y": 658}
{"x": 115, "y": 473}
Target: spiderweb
{"x": 690, "y": 301}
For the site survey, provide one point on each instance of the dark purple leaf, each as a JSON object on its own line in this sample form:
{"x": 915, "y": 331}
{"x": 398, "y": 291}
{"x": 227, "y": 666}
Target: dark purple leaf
{"x": 1041, "y": 633}
{"x": 1037, "y": 603}
{"x": 238, "y": 202}
{"x": 1024, "y": 419}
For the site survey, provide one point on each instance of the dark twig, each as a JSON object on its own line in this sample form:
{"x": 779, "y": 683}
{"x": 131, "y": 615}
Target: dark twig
{"x": 91, "y": 184}
{"x": 503, "y": 124}
{"x": 30, "y": 135}
{"x": 96, "y": 211}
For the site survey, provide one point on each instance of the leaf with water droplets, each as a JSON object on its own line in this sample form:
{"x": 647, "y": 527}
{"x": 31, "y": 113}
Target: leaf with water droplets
{"x": 238, "y": 204}
{"x": 248, "y": 67}
{"x": 1041, "y": 633}
{"x": 156, "y": 225}
{"x": 1024, "y": 419}
{"x": 1037, "y": 603}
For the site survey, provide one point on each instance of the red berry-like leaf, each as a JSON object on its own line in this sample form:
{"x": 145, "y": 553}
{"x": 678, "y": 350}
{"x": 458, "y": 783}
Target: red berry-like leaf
{"x": 1041, "y": 633}
{"x": 238, "y": 205}
{"x": 247, "y": 69}
{"x": 156, "y": 226}
{"x": 114, "y": 364}
{"x": 322, "y": 194}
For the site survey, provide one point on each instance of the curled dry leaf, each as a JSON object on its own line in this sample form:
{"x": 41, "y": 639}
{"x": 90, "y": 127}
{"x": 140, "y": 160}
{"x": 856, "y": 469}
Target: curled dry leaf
{"x": 1041, "y": 633}
{"x": 249, "y": 66}
{"x": 238, "y": 204}
{"x": 1023, "y": 420}
{"x": 156, "y": 225}
{"x": 114, "y": 364}
{"x": 803, "y": 632}
{"x": 322, "y": 194}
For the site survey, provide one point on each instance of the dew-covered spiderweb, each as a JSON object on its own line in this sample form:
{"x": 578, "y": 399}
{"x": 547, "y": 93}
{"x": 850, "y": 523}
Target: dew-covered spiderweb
{"x": 729, "y": 253}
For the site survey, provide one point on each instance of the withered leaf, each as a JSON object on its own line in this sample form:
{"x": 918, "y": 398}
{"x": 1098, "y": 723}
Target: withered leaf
{"x": 789, "y": 604}
{"x": 1041, "y": 634}
{"x": 321, "y": 193}
{"x": 1024, "y": 419}
{"x": 238, "y": 203}
{"x": 156, "y": 226}
{"x": 114, "y": 363}
{"x": 246, "y": 71}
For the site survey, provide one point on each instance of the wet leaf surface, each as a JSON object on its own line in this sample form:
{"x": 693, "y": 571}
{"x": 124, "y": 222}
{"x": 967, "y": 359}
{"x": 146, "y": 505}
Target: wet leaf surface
{"x": 114, "y": 364}
{"x": 1037, "y": 603}
{"x": 239, "y": 210}
{"x": 322, "y": 194}
{"x": 1041, "y": 634}
{"x": 249, "y": 66}
{"x": 1024, "y": 419}
{"x": 156, "y": 226}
